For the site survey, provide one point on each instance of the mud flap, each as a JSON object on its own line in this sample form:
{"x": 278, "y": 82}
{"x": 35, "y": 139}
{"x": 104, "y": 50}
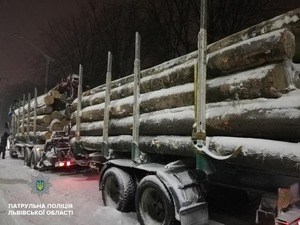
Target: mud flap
{"x": 195, "y": 214}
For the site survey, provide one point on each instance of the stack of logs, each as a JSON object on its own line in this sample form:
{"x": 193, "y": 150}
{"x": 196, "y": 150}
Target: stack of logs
{"x": 253, "y": 101}
{"x": 50, "y": 111}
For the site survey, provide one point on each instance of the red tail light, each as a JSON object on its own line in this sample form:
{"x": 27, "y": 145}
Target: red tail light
{"x": 68, "y": 163}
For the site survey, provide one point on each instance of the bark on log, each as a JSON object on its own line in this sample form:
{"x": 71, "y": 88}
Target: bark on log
{"x": 57, "y": 115}
{"x": 268, "y": 81}
{"x": 145, "y": 73}
{"x": 290, "y": 20}
{"x": 41, "y": 135}
{"x": 40, "y": 103}
{"x": 46, "y": 109}
{"x": 175, "y": 76}
{"x": 260, "y": 118}
{"x": 38, "y": 128}
{"x": 56, "y": 125}
{"x": 263, "y": 118}
{"x": 267, "y": 48}
{"x": 277, "y": 156}
{"x": 42, "y": 120}
{"x": 178, "y": 121}
{"x": 282, "y": 157}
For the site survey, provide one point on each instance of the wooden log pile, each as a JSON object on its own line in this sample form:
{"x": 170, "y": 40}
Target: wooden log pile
{"x": 50, "y": 117}
{"x": 253, "y": 96}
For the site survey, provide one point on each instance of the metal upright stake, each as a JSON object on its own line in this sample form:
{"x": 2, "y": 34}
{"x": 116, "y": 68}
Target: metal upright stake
{"x": 34, "y": 112}
{"x": 78, "y": 115}
{"x": 135, "y": 152}
{"x": 105, "y": 146}
{"x": 28, "y": 114}
{"x": 201, "y": 82}
{"x": 23, "y": 115}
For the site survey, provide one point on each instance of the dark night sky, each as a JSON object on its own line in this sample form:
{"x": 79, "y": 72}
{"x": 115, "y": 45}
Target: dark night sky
{"x": 26, "y": 18}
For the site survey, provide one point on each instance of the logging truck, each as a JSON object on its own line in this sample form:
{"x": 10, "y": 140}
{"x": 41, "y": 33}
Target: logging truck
{"x": 39, "y": 128}
{"x": 225, "y": 117}
{"x": 172, "y": 134}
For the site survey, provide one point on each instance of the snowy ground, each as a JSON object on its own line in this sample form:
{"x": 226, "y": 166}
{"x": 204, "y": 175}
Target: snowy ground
{"x": 79, "y": 190}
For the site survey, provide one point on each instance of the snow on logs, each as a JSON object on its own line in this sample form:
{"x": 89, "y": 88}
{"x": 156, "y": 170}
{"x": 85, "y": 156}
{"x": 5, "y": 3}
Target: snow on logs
{"x": 252, "y": 97}
{"x": 50, "y": 117}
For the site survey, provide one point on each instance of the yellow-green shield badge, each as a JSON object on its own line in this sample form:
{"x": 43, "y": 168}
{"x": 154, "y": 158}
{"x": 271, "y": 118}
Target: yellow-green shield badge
{"x": 39, "y": 185}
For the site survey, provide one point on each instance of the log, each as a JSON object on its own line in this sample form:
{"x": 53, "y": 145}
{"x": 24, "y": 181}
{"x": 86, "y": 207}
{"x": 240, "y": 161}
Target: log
{"x": 57, "y": 115}
{"x": 48, "y": 99}
{"x": 40, "y": 103}
{"x": 260, "y": 118}
{"x": 178, "y": 121}
{"x": 266, "y": 48}
{"x": 41, "y": 135}
{"x": 267, "y": 81}
{"x": 42, "y": 119}
{"x": 169, "y": 98}
{"x": 56, "y": 125}
{"x": 282, "y": 157}
{"x": 55, "y": 93}
{"x": 46, "y": 109}
{"x": 275, "y": 156}
{"x": 263, "y": 118}
{"x": 38, "y": 128}
{"x": 175, "y": 76}
{"x": 290, "y": 20}
{"x": 145, "y": 73}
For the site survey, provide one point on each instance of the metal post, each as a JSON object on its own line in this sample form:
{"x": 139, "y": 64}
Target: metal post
{"x": 107, "y": 106}
{"x": 23, "y": 114}
{"x": 28, "y": 114}
{"x": 135, "y": 152}
{"x": 201, "y": 84}
{"x": 78, "y": 115}
{"x": 34, "y": 112}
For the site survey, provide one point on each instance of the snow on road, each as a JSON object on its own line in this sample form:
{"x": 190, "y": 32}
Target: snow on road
{"x": 79, "y": 191}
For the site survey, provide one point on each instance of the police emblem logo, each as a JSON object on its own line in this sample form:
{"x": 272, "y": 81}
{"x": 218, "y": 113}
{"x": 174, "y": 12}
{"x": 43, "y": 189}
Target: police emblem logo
{"x": 40, "y": 184}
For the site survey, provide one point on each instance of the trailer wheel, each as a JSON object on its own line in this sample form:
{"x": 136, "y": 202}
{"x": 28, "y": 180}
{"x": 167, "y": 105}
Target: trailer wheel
{"x": 27, "y": 156}
{"x": 153, "y": 202}
{"x": 12, "y": 155}
{"x": 118, "y": 189}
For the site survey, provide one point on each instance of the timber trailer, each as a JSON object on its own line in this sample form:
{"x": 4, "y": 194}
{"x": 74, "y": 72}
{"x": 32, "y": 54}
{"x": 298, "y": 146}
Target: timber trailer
{"x": 46, "y": 145}
{"x": 167, "y": 178}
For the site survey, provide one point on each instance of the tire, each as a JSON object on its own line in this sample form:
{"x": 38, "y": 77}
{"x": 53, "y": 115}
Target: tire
{"x": 118, "y": 188}
{"x": 27, "y": 156}
{"x": 12, "y": 155}
{"x": 153, "y": 202}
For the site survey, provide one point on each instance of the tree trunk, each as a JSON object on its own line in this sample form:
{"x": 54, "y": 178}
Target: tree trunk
{"x": 56, "y": 125}
{"x": 266, "y": 48}
{"x": 49, "y": 100}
